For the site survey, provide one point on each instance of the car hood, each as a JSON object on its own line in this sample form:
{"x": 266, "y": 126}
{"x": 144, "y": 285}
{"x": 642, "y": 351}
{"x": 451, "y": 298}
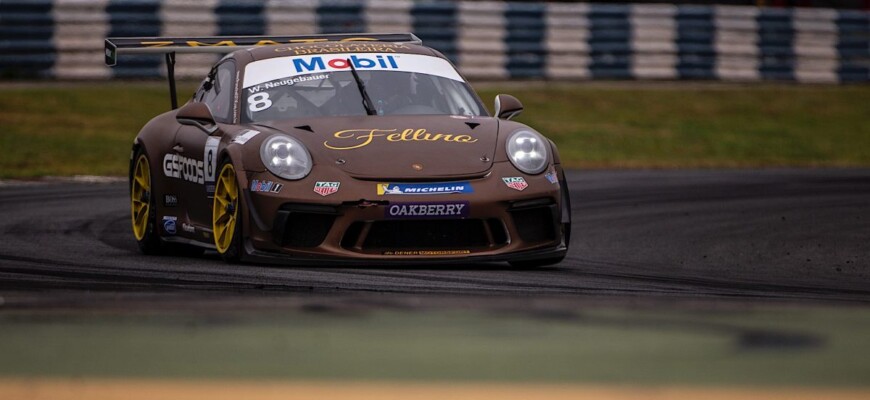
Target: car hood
{"x": 399, "y": 147}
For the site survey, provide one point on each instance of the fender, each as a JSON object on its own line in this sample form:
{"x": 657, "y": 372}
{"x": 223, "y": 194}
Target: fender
{"x": 234, "y": 152}
{"x": 158, "y": 136}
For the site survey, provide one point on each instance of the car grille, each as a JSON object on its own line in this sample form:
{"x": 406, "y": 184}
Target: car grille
{"x": 301, "y": 225}
{"x": 425, "y": 234}
{"x": 535, "y": 220}
{"x": 304, "y": 225}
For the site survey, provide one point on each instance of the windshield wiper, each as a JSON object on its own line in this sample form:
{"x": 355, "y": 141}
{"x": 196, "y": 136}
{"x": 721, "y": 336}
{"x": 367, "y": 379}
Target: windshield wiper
{"x": 367, "y": 101}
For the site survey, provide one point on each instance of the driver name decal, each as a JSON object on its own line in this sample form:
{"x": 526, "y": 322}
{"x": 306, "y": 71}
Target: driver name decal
{"x": 285, "y": 82}
{"x": 350, "y": 139}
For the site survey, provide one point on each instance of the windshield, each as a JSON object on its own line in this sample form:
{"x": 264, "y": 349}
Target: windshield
{"x": 398, "y": 84}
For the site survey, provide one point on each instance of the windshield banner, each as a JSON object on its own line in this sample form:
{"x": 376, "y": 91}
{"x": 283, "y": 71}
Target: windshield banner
{"x": 271, "y": 69}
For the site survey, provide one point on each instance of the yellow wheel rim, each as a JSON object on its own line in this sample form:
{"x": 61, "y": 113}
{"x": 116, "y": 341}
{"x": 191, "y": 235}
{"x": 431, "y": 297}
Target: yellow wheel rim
{"x": 140, "y": 197}
{"x": 225, "y": 209}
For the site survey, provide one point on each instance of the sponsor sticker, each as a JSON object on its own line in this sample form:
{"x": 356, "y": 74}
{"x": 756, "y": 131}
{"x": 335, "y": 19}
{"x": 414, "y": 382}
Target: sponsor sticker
{"x": 209, "y": 154}
{"x": 424, "y": 188}
{"x": 169, "y": 224}
{"x": 516, "y": 183}
{"x": 181, "y": 167}
{"x": 271, "y": 69}
{"x": 285, "y": 82}
{"x": 170, "y": 200}
{"x": 426, "y": 252}
{"x": 454, "y": 209}
{"x": 361, "y": 46}
{"x": 265, "y": 186}
{"x": 187, "y": 227}
{"x": 551, "y": 176}
{"x": 247, "y": 134}
{"x": 326, "y": 188}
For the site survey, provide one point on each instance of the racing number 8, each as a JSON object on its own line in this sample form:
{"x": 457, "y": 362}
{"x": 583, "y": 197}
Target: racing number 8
{"x": 259, "y": 102}
{"x": 210, "y": 163}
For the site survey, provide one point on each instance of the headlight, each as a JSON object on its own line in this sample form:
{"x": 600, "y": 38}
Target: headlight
{"x": 285, "y": 157}
{"x": 527, "y": 150}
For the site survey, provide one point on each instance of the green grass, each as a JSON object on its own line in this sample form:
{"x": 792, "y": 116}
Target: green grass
{"x": 74, "y": 129}
{"x": 702, "y": 126}
{"x": 88, "y": 128}
{"x": 611, "y": 346}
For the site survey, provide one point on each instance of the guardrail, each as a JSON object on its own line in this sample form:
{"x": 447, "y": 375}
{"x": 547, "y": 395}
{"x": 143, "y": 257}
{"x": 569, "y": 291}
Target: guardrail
{"x": 63, "y": 39}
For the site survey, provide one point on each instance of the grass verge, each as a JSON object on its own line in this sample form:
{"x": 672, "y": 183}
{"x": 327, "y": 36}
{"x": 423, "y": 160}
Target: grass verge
{"x": 775, "y": 347}
{"x": 87, "y": 129}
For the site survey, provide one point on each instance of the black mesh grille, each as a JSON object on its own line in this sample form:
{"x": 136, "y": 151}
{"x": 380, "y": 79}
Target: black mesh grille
{"x": 499, "y": 234}
{"x": 306, "y": 230}
{"x": 351, "y": 236}
{"x": 535, "y": 224}
{"x": 302, "y": 226}
{"x": 426, "y": 234}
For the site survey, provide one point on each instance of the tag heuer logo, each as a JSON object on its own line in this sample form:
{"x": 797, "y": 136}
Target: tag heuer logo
{"x": 326, "y": 188}
{"x": 516, "y": 183}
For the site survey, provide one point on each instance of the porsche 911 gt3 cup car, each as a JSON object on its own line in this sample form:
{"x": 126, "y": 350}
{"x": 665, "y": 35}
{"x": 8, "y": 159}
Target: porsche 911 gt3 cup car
{"x": 342, "y": 149}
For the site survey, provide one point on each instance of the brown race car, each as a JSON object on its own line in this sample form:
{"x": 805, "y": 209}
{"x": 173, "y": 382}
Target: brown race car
{"x": 341, "y": 149}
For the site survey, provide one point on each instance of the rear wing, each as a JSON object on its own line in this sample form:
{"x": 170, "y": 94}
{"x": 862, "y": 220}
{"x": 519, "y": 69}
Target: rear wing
{"x": 227, "y": 44}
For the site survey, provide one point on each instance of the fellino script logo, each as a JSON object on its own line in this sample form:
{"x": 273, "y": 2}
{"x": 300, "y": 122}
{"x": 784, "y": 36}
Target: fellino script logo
{"x": 356, "y": 138}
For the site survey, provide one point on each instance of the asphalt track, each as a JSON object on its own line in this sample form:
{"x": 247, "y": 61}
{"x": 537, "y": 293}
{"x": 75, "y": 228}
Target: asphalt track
{"x": 752, "y": 235}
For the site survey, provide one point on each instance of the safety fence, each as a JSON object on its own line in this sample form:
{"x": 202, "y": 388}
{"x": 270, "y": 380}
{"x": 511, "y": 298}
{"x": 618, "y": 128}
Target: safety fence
{"x": 487, "y": 40}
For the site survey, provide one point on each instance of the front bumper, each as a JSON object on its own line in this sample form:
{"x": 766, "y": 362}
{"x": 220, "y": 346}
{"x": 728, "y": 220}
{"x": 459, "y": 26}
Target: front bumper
{"x": 350, "y": 226}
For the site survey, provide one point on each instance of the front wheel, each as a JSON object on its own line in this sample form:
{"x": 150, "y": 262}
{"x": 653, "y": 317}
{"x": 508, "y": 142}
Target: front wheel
{"x": 142, "y": 206}
{"x": 226, "y": 209}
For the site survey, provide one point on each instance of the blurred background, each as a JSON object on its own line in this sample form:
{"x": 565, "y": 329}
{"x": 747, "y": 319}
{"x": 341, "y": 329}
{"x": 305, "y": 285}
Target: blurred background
{"x": 727, "y": 40}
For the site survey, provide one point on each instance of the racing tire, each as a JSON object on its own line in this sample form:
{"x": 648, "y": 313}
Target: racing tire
{"x": 226, "y": 209}
{"x": 142, "y": 206}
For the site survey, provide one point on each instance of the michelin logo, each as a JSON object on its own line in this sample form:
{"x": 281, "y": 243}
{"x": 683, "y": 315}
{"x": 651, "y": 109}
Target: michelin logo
{"x": 424, "y": 188}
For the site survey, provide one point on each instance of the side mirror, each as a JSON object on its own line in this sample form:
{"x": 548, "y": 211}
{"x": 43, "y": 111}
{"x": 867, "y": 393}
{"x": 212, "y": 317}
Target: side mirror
{"x": 197, "y": 114}
{"x": 507, "y": 106}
